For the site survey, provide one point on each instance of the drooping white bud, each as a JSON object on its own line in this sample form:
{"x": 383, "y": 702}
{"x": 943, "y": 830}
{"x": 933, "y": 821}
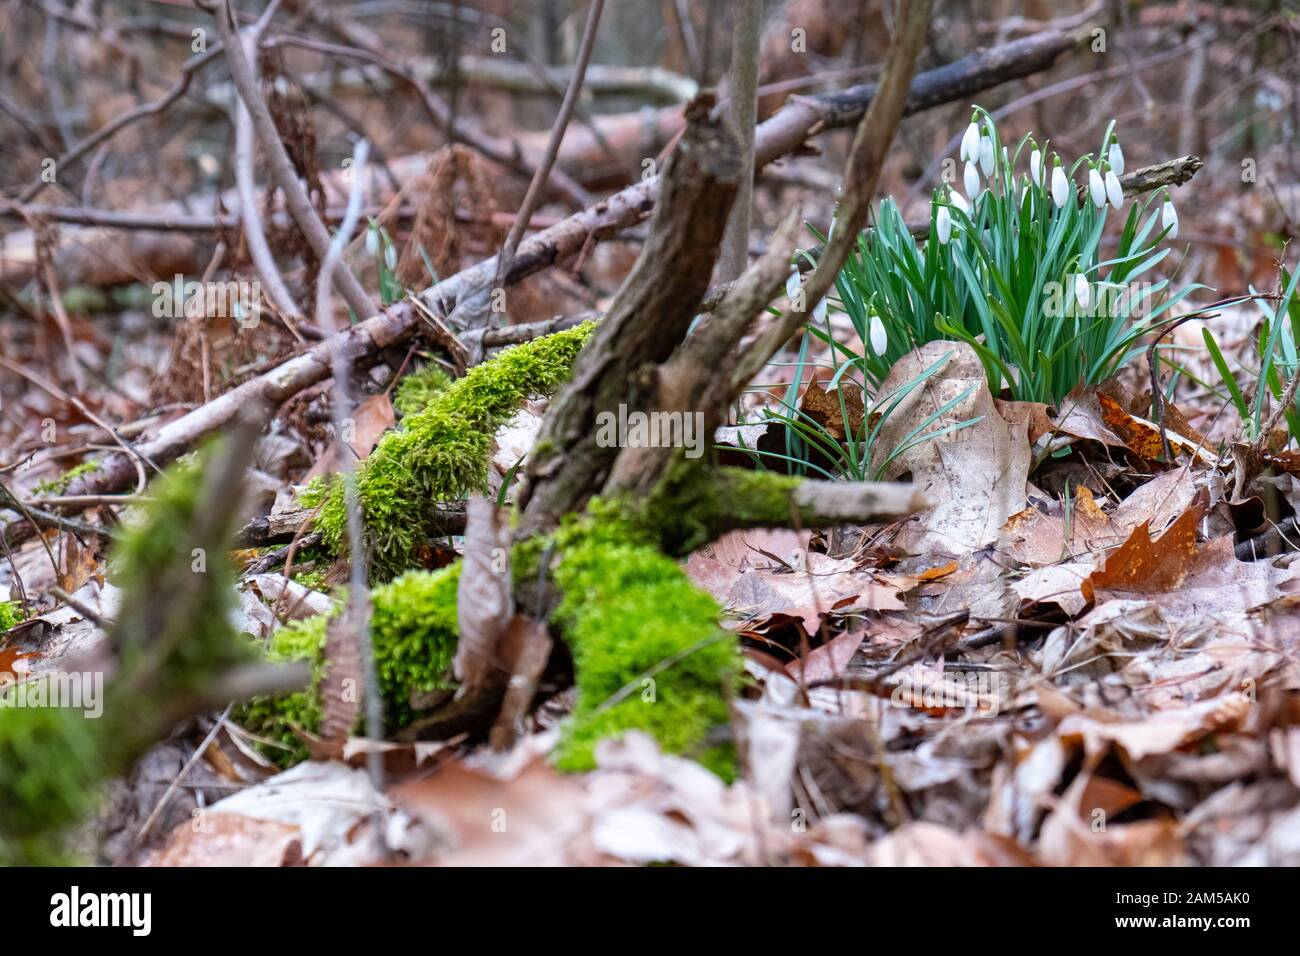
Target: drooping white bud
{"x": 943, "y": 225}
{"x": 970, "y": 143}
{"x": 793, "y": 284}
{"x": 1036, "y": 166}
{"x": 1169, "y": 218}
{"x": 986, "y": 155}
{"x": 1115, "y": 156}
{"x": 390, "y": 256}
{"x": 958, "y": 200}
{"x": 819, "y": 310}
{"x": 372, "y": 241}
{"x": 1096, "y": 188}
{"x": 1082, "y": 293}
{"x": 971, "y": 180}
{"x": 1114, "y": 193}
{"x": 1060, "y": 186}
{"x": 879, "y": 337}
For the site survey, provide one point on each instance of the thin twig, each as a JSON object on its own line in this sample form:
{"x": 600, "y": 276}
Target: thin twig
{"x": 195, "y": 757}
{"x": 358, "y": 612}
{"x": 558, "y": 128}
{"x": 250, "y": 216}
{"x": 281, "y": 165}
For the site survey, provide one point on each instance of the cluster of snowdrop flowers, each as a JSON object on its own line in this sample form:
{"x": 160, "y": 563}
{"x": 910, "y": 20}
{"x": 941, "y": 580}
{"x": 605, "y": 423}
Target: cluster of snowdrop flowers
{"x": 980, "y": 152}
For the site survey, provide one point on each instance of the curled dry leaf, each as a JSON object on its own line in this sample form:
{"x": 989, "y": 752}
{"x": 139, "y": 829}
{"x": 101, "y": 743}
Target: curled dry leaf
{"x": 342, "y": 682}
{"x": 484, "y": 599}
{"x": 976, "y": 473}
{"x": 825, "y": 409}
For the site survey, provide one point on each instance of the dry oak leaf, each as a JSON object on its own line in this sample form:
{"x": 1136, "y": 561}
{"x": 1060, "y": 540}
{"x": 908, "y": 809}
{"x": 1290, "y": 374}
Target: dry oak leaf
{"x": 1143, "y": 437}
{"x": 976, "y": 473}
{"x": 1160, "y": 732}
{"x": 825, "y": 408}
{"x": 1143, "y": 566}
{"x": 1088, "y": 414}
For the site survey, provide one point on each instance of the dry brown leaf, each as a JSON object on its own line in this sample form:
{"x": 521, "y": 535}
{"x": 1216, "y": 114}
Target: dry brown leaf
{"x": 817, "y": 586}
{"x": 79, "y": 565}
{"x": 342, "y": 682}
{"x": 229, "y": 839}
{"x": 484, "y": 599}
{"x": 1037, "y": 537}
{"x": 824, "y": 408}
{"x": 1157, "y": 733}
{"x": 827, "y": 661}
{"x": 362, "y": 431}
{"x": 1090, "y": 414}
{"x": 930, "y": 844}
{"x": 1145, "y": 566}
{"x": 976, "y": 473}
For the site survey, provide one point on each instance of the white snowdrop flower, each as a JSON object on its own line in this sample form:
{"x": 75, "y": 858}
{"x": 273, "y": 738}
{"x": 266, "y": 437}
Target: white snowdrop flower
{"x": 1060, "y": 186}
{"x": 1024, "y": 189}
{"x": 1115, "y": 156}
{"x": 970, "y": 142}
{"x": 1082, "y": 293}
{"x": 1096, "y": 188}
{"x": 1169, "y": 218}
{"x": 879, "y": 337}
{"x": 1036, "y": 166}
{"x": 958, "y": 200}
{"x": 372, "y": 241}
{"x": 390, "y": 256}
{"x": 971, "y": 180}
{"x": 1114, "y": 193}
{"x": 819, "y": 310}
{"x": 986, "y": 155}
{"x": 793, "y": 284}
{"x": 943, "y": 225}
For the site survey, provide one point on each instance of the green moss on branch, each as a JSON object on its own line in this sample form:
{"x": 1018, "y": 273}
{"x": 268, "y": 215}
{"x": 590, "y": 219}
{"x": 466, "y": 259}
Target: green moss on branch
{"x": 413, "y": 632}
{"x": 441, "y": 452}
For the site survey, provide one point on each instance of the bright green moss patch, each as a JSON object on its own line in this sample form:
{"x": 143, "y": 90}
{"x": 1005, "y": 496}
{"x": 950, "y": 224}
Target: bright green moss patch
{"x": 648, "y": 649}
{"x": 441, "y": 451}
{"x": 418, "y": 390}
{"x": 52, "y": 767}
{"x": 10, "y": 615}
{"x": 56, "y": 486}
{"x": 160, "y": 555}
{"x": 695, "y": 502}
{"x": 413, "y": 630}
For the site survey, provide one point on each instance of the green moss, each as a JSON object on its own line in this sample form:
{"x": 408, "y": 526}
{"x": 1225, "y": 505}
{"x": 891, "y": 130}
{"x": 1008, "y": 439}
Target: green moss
{"x": 648, "y": 649}
{"x": 54, "y": 760}
{"x": 162, "y": 555}
{"x": 10, "y": 615}
{"x": 413, "y": 630}
{"x": 418, "y": 389}
{"x": 52, "y": 768}
{"x": 695, "y": 502}
{"x": 441, "y": 452}
{"x": 56, "y": 486}
{"x": 314, "y": 579}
